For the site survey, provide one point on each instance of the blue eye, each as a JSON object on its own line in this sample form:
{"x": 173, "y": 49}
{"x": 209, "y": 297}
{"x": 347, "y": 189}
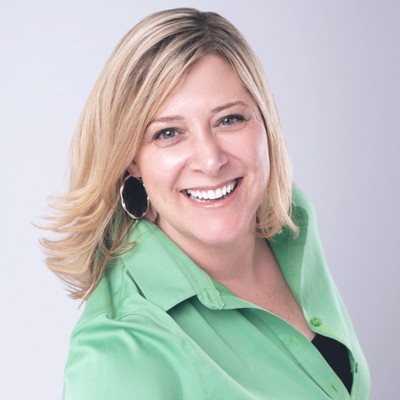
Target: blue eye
{"x": 165, "y": 134}
{"x": 231, "y": 119}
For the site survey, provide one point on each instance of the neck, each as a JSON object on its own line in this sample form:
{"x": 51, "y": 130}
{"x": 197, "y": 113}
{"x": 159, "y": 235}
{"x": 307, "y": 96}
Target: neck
{"x": 231, "y": 263}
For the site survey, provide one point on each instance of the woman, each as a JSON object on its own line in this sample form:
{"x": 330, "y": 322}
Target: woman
{"x": 207, "y": 280}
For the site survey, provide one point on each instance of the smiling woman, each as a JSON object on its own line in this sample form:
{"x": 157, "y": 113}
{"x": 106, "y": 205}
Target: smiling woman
{"x": 207, "y": 138}
{"x": 181, "y": 228}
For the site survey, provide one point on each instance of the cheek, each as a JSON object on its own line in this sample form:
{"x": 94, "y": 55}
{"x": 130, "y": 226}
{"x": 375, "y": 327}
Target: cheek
{"x": 261, "y": 152}
{"x": 159, "y": 170}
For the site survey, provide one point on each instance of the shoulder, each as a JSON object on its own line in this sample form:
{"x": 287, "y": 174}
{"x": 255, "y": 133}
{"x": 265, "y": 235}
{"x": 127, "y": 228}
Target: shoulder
{"x": 105, "y": 298}
{"x": 301, "y": 202}
{"x": 118, "y": 302}
{"x": 124, "y": 347}
{"x": 133, "y": 357}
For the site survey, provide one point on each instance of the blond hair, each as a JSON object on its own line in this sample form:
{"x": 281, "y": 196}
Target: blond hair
{"x": 147, "y": 65}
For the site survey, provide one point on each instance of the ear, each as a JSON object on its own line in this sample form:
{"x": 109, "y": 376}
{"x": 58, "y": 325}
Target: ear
{"x": 134, "y": 169}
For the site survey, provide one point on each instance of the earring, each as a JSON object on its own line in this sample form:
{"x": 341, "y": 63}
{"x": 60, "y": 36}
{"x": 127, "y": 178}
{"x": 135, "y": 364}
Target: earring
{"x": 134, "y": 198}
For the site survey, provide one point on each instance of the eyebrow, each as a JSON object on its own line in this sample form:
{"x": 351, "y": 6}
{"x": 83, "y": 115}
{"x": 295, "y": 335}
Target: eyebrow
{"x": 229, "y": 105}
{"x": 166, "y": 119}
{"x": 222, "y": 107}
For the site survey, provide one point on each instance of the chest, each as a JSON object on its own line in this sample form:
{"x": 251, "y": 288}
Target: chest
{"x": 272, "y": 293}
{"x": 249, "y": 354}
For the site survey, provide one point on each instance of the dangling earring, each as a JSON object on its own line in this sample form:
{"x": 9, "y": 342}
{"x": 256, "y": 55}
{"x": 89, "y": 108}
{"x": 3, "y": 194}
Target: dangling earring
{"x": 134, "y": 199}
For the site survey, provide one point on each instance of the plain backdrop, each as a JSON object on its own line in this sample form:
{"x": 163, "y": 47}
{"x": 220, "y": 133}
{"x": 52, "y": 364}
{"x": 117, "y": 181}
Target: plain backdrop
{"x": 334, "y": 68}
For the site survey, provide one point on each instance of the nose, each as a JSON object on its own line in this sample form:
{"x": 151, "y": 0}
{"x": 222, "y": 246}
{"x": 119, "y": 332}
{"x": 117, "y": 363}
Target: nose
{"x": 208, "y": 155}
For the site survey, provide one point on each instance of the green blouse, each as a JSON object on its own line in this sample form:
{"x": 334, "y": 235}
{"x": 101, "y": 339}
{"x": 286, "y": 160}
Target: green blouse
{"x": 158, "y": 327}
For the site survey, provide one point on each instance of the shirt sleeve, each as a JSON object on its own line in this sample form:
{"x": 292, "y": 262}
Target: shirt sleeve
{"x": 133, "y": 358}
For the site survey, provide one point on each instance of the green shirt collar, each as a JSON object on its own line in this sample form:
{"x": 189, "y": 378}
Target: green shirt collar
{"x": 164, "y": 273}
{"x": 167, "y": 276}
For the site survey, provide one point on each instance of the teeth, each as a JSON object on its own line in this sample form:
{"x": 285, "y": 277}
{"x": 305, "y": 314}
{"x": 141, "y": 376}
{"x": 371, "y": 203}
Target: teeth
{"x": 212, "y": 194}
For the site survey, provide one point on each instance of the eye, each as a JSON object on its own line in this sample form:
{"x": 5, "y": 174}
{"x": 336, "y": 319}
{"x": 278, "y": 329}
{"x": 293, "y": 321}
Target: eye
{"x": 231, "y": 119}
{"x": 165, "y": 134}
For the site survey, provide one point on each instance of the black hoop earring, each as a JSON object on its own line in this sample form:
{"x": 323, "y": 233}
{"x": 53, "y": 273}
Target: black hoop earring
{"x": 134, "y": 199}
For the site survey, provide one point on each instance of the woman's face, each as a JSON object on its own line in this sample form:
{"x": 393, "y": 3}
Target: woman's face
{"x": 204, "y": 159}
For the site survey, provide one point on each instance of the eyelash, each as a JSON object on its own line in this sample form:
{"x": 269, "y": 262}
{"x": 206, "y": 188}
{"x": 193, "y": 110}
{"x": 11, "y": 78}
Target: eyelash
{"x": 224, "y": 121}
{"x": 158, "y": 135}
{"x": 236, "y": 117}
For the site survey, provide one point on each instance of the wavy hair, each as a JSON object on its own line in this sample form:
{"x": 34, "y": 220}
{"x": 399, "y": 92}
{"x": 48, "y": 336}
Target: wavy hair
{"x": 144, "y": 69}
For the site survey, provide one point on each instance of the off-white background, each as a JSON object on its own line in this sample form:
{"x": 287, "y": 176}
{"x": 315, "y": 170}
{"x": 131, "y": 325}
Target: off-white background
{"x": 334, "y": 67}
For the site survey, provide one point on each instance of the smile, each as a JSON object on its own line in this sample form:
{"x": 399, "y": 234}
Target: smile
{"x": 212, "y": 194}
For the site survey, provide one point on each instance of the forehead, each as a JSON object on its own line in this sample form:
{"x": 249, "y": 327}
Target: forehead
{"x": 210, "y": 82}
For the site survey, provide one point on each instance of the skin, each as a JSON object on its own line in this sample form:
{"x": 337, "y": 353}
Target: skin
{"x": 208, "y": 134}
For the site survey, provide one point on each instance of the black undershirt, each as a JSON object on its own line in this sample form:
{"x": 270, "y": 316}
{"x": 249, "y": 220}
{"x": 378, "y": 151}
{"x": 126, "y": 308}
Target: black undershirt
{"x": 337, "y": 356}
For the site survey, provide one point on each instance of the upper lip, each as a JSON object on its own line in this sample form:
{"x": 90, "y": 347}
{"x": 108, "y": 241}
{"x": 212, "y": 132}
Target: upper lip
{"x": 214, "y": 187}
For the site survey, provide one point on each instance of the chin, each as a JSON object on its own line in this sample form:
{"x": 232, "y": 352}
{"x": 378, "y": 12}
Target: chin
{"x": 220, "y": 235}
{"x": 209, "y": 232}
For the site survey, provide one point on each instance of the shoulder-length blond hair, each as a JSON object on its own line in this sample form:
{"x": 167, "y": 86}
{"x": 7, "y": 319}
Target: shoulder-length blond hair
{"x": 147, "y": 65}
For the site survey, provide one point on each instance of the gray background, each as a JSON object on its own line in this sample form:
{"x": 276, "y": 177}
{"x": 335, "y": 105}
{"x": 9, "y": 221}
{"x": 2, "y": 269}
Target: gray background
{"x": 333, "y": 66}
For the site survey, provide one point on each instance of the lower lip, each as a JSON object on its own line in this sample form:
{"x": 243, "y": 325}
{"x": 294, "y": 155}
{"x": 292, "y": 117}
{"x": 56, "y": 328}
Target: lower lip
{"x": 216, "y": 203}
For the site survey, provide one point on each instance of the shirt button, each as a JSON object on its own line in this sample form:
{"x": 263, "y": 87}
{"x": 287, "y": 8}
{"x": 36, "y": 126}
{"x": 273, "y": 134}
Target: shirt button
{"x": 315, "y": 321}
